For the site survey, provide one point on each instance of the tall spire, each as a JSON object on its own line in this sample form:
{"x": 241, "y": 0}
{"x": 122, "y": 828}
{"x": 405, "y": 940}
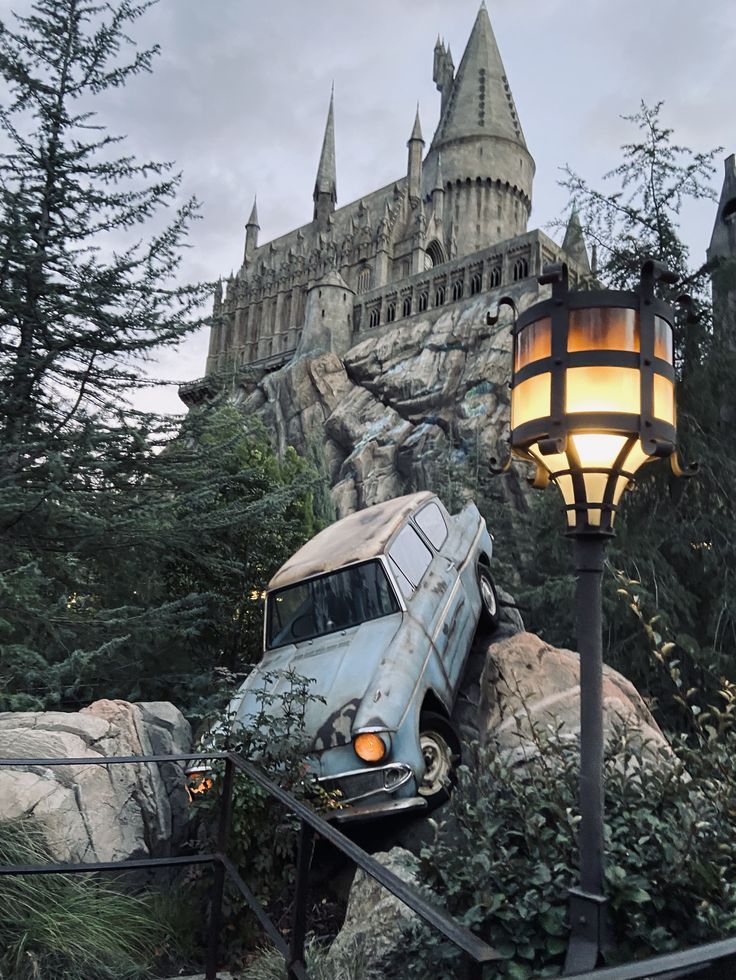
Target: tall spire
{"x": 325, "y": 187}
{"x": 414, "y": 164}
{"x": 574, "y": 241}
{"x": 253, "y": 220}
{"x": 251, "y": 234}
{"x": 481, "y": 103}
{"x": 416, "y": 133}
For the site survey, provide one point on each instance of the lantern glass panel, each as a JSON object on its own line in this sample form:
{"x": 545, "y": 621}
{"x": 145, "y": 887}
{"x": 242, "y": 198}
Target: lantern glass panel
{"x": 664, "y": 399}
{"x": 566, "y": 488}
{"x": 636, "y": 458}
{"x": 597, "y": 450}
{"x": 662, "y": 339}
{"x": 533, "y": 343}
{"x": 603, "y": 328}
{"x": 530, "y": 400}
{"x": 603, "y": 389}
{"x": 595, "y": 487}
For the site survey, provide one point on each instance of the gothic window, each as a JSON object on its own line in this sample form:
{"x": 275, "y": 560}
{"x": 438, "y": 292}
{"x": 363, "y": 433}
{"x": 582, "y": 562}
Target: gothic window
{"x": 435, "y": 253}
{"x": 390, "y": 312}
{"x": 364, "y": 280}
{"x": 495, "y": 277}
{"x": 521, "y": 269}
{"x": 439, "y": 296}
{"x": 457, "y": 289}
{"x": 475, "y": 283}
{"x": 423, "y": 301}
{"x": 406, "y": 307}
{"x": 405, "y": 269}
{"x": 375, "y": 318}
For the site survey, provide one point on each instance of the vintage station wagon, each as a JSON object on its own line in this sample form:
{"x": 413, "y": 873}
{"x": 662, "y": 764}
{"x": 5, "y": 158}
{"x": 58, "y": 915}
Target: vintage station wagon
{"x": 380, "y": 609}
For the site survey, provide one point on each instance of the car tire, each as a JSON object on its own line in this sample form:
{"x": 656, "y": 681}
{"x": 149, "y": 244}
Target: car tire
{"x": 440, "y": 747}
{"x": 489, "y": 612}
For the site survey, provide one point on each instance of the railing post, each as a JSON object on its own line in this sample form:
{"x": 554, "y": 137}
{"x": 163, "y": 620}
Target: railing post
{"x": 218, "y": 886}
{"x": 299, "y": 919}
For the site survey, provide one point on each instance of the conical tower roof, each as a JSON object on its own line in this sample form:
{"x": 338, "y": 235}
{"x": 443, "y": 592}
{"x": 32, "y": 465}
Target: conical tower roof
{"x": 480, "y": 103}
{"x": 326, "y": 182}
{"x": 253, "y": 220}
{"x": 416, "y": 133}
{"x": 574, "y": 241}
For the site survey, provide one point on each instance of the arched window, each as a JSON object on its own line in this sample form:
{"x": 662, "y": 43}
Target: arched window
{"x": 435, "y": 253}
{"x": 521, "y": 269}
{"x": 475, "y": 283}
{"x": 495, "y": 277}
{"x": 364, "y": 280}
{"x": 439, "y": 296}
{"x": 375, "y": 318}
{"x": 406, "y": 307}
{"x": 423, "y": 301}
{"x": 457, "y": 290}
{"x": 390, "y": 312}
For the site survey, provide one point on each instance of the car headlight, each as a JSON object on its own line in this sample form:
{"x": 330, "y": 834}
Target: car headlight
{"x": 372, "y": 746}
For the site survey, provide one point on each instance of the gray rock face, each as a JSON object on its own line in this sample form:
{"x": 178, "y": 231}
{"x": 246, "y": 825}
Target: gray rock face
{"x": 375, "y": 919}
{"x": 97, "y": 813}
{"x": 402, "y": 407}
{"x": 527, "y": 683}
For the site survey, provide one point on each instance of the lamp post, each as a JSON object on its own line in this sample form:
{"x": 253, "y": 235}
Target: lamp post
{"x": 592, "y": 401}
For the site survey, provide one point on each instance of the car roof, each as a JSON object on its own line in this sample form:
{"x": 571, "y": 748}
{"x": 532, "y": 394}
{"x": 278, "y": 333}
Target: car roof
{"x": 357, "y": 537}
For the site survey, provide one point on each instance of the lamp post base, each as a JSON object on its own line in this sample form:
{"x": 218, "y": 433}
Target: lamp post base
{"x": 589, "y": 936}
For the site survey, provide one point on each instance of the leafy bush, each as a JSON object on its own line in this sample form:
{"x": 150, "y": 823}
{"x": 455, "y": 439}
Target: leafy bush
{"x": 69, "y": 926}
{"x": 264, "y": 834}
{"x": 269, "y": 965}
{"x": 503, "y": 860}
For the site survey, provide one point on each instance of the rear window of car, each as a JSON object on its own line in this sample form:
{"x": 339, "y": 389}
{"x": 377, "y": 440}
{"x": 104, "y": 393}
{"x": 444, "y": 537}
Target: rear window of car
{"x": 323, "y": 605}
{"x": 410, "y": 556}
{"x": 431, "y": 523}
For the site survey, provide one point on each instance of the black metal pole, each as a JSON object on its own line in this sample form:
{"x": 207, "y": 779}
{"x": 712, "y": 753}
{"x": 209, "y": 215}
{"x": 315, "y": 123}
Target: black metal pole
{"x": 587, "y": 902}
{"x": 299, "y": 919}
{"x": 218, "y": 886}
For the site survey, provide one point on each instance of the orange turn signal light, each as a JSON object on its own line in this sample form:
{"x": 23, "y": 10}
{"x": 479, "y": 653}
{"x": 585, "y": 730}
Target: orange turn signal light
{"x": 369, "y": 747}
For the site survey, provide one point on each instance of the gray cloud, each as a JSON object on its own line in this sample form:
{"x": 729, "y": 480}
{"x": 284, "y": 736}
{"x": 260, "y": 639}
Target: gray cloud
{"x": 240, "y": 94}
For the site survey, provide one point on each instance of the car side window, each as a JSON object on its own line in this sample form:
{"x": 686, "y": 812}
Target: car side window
{"x": 431, "y": 523}
{"x": 410, "y": 556}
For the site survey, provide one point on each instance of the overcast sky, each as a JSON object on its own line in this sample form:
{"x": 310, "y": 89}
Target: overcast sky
{"x": 240, "y": 93}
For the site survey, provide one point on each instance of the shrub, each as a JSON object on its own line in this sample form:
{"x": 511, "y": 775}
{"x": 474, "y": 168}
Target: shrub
{"x": 504, "y": 858}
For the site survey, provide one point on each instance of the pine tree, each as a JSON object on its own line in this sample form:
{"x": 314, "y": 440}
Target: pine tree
{"x": 124, "y": 570}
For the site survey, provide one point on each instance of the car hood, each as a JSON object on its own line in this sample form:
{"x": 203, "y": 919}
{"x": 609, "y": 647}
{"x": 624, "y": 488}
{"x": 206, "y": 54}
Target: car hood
{"x": 341, "y": 667}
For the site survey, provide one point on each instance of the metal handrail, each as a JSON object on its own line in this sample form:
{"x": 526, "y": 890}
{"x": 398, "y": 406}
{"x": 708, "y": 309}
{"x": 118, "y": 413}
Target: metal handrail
{"x": 475, "y": 951}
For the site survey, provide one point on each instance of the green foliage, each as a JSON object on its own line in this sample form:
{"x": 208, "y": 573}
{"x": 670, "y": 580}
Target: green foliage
{"x": 503, "y": 860}
{"x": 269, "y": 964}
{"x": 264, "y": 834}
{"x": 69, "y": 926}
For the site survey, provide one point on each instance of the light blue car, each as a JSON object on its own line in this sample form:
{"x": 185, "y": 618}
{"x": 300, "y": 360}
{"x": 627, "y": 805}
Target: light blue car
{"x": 381, "y": 609}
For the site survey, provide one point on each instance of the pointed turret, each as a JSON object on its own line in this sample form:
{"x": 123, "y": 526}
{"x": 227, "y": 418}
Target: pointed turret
{"x": 481, "y": 140}
{"x": 414, "y": 166}
{"x": 722, "y": 257}
{"x": 482, "y": 104}
{"x": 251, "y": 233}
{"x": 325, "y": 187}
{"x": 574, "y": 242}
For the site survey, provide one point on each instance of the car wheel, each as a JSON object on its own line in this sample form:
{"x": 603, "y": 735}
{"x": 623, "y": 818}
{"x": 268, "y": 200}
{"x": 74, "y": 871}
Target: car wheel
{"x": 488, "y": 598}
{"x": 440, "y": 747}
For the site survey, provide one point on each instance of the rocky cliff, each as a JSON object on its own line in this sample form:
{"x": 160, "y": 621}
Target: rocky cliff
{"x": 402, "y": 407}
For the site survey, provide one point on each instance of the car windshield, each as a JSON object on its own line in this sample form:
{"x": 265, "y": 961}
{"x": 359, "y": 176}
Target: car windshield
{"x": 331, "y": 602}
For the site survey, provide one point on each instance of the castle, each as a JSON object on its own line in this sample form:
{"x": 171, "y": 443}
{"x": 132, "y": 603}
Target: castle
{"x": 452, "y": 227}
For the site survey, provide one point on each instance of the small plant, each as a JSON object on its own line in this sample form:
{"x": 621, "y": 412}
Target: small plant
{"x": 264, "y": 834}
{"x": 69, "y": 926}
{"x": 269, "y": 964}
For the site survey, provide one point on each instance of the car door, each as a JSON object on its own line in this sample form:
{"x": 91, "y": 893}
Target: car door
{"x": 452, "y": 626}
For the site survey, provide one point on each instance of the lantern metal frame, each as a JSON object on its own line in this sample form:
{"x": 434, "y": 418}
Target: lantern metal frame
{"x": 553, "y": 434}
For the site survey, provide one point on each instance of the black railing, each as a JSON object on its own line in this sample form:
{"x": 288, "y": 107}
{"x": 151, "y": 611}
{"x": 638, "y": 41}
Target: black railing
{"x": 475, "y": 951}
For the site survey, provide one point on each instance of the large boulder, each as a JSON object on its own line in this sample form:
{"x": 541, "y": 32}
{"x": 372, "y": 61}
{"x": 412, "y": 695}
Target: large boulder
{"x": 94, "y": 812}
{"x": 375, "y": 919}
{"x": 527, "y": 684}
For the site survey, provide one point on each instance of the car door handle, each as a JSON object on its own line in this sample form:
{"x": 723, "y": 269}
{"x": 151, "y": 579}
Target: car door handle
{"x": 450, "y": 564}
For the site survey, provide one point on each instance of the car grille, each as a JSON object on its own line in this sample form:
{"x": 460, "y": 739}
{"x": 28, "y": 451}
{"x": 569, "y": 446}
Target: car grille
{"x": 360, "y": 784}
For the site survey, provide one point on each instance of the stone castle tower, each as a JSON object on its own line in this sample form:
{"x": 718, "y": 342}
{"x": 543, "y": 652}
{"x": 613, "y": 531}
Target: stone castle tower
{"x": 722, "y": 256}
{"x": 453, "y": 226}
